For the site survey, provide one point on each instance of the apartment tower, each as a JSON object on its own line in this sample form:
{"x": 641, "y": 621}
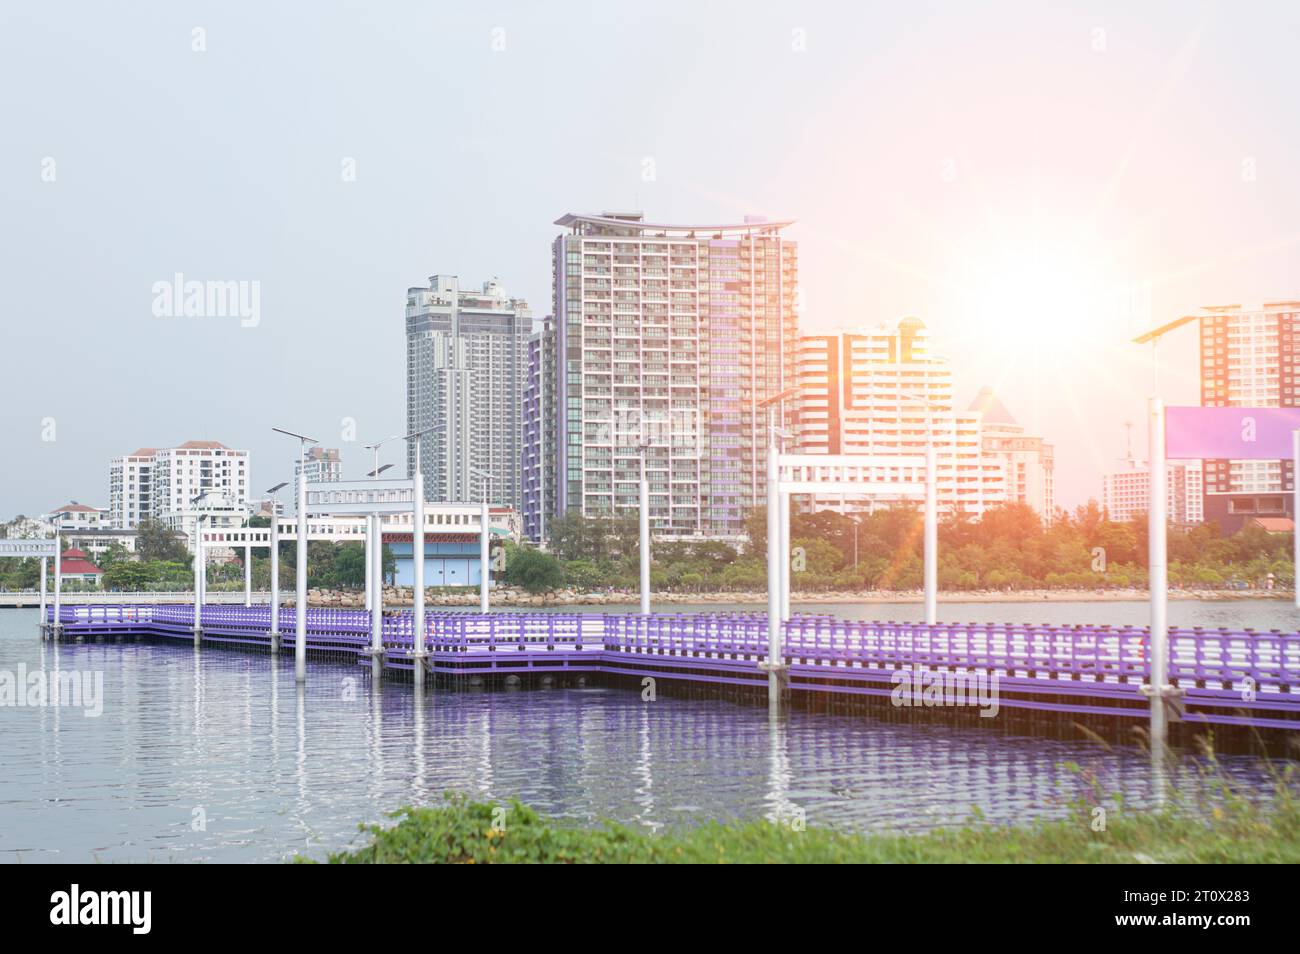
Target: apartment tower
{"x": 668, "y": 338}
{"x": 466, "y": 360}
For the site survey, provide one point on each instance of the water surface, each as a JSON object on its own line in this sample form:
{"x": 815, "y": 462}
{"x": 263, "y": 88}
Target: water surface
{"x": 217, "y": 756}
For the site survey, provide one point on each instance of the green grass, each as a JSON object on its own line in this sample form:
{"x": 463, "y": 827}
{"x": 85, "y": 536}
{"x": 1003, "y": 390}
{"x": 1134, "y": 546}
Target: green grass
{"x": 1225, "y": 828}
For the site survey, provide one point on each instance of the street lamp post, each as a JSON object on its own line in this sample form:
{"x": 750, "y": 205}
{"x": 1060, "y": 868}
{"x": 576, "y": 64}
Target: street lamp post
{"x": 643, "y": 526}
{"x": 200, "y": 569}
{"x": 375, "y": 447}
{"x": 300, "y": 604}
{"x": 931, "y": 541}
{"x": 1157, "y": 554}
{"x": 377, "y": 600}
{"x": 275, "y": 565}
{"x": 43, "y": 585}
{"x": 775, "y": 664}
{"x": 374, "y": 537}
{"x": 484, "y": 544}
{"x": 57, "y": 626}
{"x": 418, "y": 652}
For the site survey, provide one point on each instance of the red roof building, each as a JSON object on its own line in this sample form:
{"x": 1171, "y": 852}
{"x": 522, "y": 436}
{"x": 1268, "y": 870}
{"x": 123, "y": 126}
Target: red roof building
{"x": 74, "y": 566}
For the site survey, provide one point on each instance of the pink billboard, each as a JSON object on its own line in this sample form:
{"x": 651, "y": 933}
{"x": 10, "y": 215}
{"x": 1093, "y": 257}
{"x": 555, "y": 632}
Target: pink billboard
{"x": 1235, "y": 433}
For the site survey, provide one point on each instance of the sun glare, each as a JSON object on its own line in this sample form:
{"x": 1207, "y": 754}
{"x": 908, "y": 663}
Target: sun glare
{"x": 1034, "y": 300}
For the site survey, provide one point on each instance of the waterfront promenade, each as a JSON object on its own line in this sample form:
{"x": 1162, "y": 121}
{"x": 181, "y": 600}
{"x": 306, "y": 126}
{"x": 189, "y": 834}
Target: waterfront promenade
{"x": 1224, "y": 677}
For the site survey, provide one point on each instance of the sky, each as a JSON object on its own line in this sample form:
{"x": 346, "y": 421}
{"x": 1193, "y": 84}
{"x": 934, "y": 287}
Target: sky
{"x": 1036, "y": 185}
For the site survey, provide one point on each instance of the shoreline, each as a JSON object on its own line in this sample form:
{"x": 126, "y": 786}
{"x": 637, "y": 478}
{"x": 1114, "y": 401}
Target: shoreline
{"x": 397, "y": 597}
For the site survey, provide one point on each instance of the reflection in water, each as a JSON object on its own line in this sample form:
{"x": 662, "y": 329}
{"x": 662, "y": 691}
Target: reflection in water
{"x": 780, "y": 809}
{"x": 180, "y": 732}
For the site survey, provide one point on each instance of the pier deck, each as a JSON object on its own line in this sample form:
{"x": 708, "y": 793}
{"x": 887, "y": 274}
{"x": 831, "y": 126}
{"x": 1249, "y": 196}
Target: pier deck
{"x": 1227, "y": 677}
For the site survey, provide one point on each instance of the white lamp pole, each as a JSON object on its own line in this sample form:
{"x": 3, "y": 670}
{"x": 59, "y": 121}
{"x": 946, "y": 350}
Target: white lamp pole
{"x": 377, "y": 600}
{"x": 1158, "y": 562}
{"x": 644, "y": 531}
{"x": 275, "y": 566}
{"x": 200, "y": 570}
{"x": 775, "y": 658}
{"x": 300, "y": 583}
{"x": 300, "y": 605}
{"x": 774, "y": 558}
{"x": 484, "y": 542}
{"x": 370, "y": 561}
{"x": 931, "y": 536}
{"x": 275, "y": 576}
{"x": 784, "y": 510}
{"x": 417, "y": 565}
{"x": 58, "y": 580}
{"x": 1295, "y": 512}
{"x": 43, "y": 584}
{"x": 1157, "y": 553}
{"x": 375, "y": 560}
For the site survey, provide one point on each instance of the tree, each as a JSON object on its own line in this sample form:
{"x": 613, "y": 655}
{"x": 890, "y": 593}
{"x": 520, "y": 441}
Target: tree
{"x": 156, "y": 541}
{"x": 126, "y": 575}
{"x": 350, "y": 565}
{"x": 116, "y": 553}
{"x": 533, "y": 570}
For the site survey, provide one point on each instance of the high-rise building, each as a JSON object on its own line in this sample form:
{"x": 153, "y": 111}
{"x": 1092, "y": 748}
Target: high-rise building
{"x": 1250, "y": 357}
{"x": 668, "y": 337}
{"x": 880, "y": 391}
{"x": 130, "y": 488}
{"x": 1126, "y": 493}
{"x": 163, "y": 484}
{"x": 1027, "y": 461}
{"x": 539, "y": 462}
{"x": 466, "y": 360}
{"x": 323, "y": 464}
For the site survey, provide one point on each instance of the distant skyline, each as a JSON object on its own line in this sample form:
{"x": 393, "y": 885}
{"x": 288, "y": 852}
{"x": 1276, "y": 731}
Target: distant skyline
{"x": 1037, "y": 186}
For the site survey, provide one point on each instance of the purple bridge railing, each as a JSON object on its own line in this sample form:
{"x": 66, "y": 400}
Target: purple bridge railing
{"x": 1241, "y": 677}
